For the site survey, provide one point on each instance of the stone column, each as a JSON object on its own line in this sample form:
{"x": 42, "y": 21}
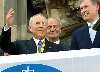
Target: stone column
{"x": 22, "y": 19}
{"x": 48, "y": 9}
{"x": 7, "y": 5}
{"x": 19, "y": 26}
{"x": 1, "y": 14}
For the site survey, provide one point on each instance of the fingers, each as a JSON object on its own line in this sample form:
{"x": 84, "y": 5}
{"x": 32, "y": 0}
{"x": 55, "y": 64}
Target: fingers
{"x": 10, "y": 13}
{"x": 6, "y": 54}
{"x": 9, "y": 18}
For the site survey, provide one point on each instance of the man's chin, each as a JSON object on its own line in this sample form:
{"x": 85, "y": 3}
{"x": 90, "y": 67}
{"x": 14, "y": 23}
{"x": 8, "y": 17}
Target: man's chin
{"x": 52, "y": 36}
{"x": 41, "y": 37}
{"x": 86, "y": 19}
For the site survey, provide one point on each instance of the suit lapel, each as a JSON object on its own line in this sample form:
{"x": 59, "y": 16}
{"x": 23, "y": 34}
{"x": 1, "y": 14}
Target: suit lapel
{"x": 86, "y": 37}
{"x": 96, "y": 40}
{"x": 48, "y": 46}
{"x": 31, "y": 45}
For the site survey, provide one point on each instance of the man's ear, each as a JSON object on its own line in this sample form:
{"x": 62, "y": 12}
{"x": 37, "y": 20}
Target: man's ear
{"x": 29, "y": 27}
{"x": 97, "y": 6}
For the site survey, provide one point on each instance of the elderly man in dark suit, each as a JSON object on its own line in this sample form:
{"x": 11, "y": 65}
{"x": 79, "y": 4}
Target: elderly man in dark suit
{"x": 54, "y": 31}
{"x": 2, "y": 53}
{"x": 86, "y": 37}
{"x": 37, "y": 44}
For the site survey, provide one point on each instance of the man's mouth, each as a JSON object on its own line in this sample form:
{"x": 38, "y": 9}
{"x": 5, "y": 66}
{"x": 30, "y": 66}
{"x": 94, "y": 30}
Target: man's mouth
{"x": 85, "y": 14}
{"x": 53, "y": 33}
{"x": 40, "y": 31}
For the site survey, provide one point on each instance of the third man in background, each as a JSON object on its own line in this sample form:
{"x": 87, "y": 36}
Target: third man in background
{"x": 54, "y": 31}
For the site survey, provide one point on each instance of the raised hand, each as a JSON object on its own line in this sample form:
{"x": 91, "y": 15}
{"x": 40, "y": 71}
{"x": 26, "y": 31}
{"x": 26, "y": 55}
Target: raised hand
{"x": 9, "y": 18}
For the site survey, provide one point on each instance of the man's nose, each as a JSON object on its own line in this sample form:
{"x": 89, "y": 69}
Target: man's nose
{"x": 52, "y": 29}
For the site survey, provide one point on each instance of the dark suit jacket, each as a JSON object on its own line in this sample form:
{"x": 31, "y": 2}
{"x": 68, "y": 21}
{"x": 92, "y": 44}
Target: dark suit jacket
{"x": 24, "y": 46}
{"x": 81, "y": 39}
{"x": 1, "y": 51}
{"x": 65, "y": 47}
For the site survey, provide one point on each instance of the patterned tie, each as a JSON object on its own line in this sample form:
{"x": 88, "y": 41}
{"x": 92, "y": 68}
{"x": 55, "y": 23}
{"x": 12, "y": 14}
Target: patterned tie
{"x": 39, "y": 45}
{"x": 92, "y": 33}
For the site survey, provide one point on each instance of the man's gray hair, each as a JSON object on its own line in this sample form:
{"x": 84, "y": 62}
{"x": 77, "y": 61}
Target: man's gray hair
{"x": 94, "y": 2}
{"x": 55, "y": 19}
{"x": 31, "y": 19}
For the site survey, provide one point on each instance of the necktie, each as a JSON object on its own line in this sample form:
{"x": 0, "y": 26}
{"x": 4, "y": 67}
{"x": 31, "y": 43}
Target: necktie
{"x": 92, "y": 33}
{"x": 39, "y": 45}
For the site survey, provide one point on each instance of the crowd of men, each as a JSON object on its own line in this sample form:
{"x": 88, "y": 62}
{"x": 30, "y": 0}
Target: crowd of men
{"x": 46, "y": 33}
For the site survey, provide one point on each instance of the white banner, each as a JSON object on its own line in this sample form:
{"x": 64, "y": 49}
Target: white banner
{"x": 86, "y": 60}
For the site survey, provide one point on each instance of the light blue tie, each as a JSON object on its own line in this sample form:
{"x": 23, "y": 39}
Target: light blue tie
{"x": 39, "y": 45}
{"x": 92, "y": 33}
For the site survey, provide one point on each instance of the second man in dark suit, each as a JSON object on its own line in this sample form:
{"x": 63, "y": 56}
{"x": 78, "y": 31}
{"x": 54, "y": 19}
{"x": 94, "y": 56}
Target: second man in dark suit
{"x": 54, "y": 31}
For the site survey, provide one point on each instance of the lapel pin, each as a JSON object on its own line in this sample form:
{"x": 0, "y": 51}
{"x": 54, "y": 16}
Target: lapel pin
{"x": 49, "y": 47}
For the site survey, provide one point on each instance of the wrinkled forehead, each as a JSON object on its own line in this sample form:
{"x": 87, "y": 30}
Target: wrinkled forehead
{"x": 84, "y": 2}
{"x": 39, "y": 18}
{"x": 53, "y": 21}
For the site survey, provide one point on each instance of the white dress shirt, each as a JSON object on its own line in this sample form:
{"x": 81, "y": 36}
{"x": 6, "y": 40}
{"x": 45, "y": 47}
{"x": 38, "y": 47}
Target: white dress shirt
{"x": 6, "y": 29}
{"x": 37, "y": 41}
{"x": 57, "y": 42}
{"x": 91, "y": 31}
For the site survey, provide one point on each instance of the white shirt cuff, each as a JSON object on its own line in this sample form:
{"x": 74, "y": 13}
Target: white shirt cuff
{"x": 6, "y": 29}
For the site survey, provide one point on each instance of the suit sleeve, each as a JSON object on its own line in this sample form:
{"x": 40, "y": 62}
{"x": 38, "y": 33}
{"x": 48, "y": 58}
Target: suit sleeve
{"x": 74, "y": 45}
{"x": 1, "y": 52}
{"x": 6, "y": 44}
{"x": 65, "y": 47}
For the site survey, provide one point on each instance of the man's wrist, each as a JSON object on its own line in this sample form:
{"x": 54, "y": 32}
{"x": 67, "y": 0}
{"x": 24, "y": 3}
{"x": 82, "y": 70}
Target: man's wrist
{"x": 6, "y": 27}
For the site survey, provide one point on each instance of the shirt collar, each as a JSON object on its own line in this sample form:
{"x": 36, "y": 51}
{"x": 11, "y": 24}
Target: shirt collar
{"x": 57, "y": 42}
{"x": 36, "y": 40}
{"x": 89, "y": 24}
